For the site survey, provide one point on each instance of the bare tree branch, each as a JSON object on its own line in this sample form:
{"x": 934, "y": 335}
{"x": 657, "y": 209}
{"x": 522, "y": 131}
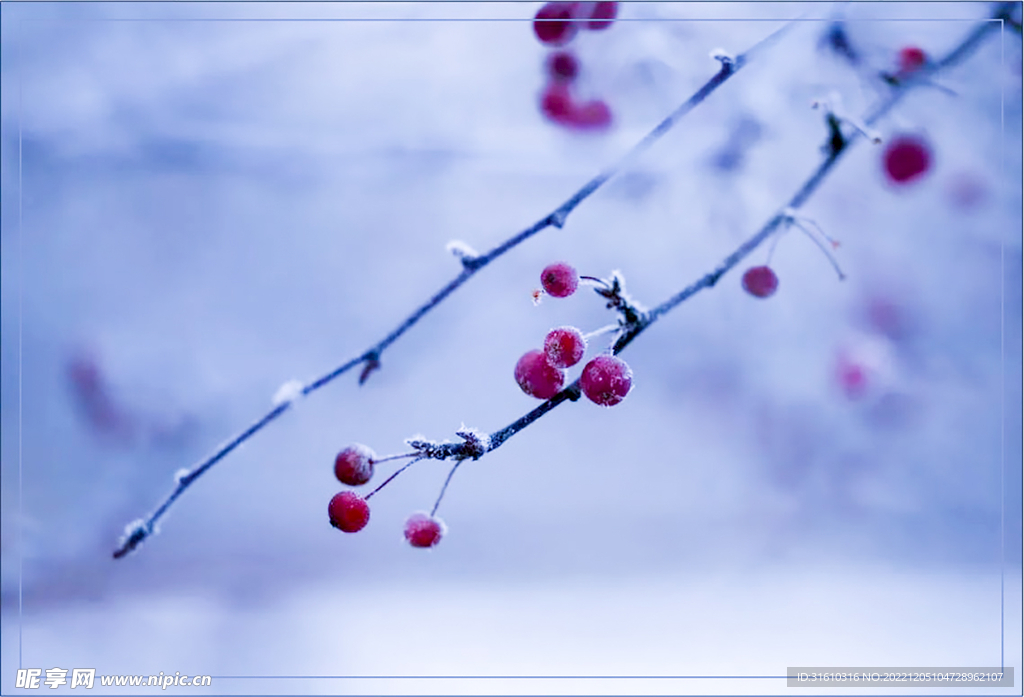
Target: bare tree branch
{"x": 139, "y": 530}
{"x": 634, "y": 322}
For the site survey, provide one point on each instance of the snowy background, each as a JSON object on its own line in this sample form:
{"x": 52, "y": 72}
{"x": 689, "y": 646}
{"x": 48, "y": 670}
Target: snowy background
{"x": 203, "y": 201}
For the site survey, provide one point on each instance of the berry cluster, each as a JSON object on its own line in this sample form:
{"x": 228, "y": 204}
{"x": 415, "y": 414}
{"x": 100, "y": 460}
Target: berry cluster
{"x": 540, "y": 373}
{"x": 555, "y": 25}
{"x": 349, "y": 512}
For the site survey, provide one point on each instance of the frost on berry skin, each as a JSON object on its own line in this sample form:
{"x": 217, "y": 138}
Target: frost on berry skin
{"x": 760, "y": 281}
{"x": 423, "y": 530}
{"x": 563, "y": 66}
{"x": 564, "y": 347}
{"x": 602, "y": 15}
{"x": 559, "y": 280}
{"x": 906, "y": 158}
{"x": 348, "y": 512}
{"x": 553, "y": 24}
{"x": 537, "y": 377}
{"x": 354, "y": 465}
{"x": 606, "y": 380}
{"x": 910, "y": 59}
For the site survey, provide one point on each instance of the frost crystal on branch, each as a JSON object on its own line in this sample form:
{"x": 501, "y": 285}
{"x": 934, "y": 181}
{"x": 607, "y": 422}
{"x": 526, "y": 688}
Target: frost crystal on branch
{"x": 466, "y": 254}
{"x": 476, "y": 443}
{"x": 287, "y": 393}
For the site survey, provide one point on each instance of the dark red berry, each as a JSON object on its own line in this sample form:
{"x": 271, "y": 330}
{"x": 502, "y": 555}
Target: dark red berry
{"x": 906, "y": 158}
{"x": 760, "y": 281}
{"x": 911, "y": 58}
{"x": 537, "y": 377}
{"x": 564, "y": 347}
{"x": 563, "y": 66}
{"x": 422, "y": 530}
{"x": 553, "y": 23}
{"x": 348, "y": 512}
{"x": 606, "y": 380}
{"x": 602, "y": 15}
{"x": 354, "y": 465}
{"x": 559, "y": 280}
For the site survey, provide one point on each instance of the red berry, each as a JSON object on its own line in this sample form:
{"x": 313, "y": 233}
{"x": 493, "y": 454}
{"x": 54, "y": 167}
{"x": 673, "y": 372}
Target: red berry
{"x": 595, "y": 114}
{"x": 556, "y": 103}
{"x": 559, "y": 280}
{"x": 563, "y": 66}
{"x": 422, "y": 530}
{"x": 602, "y": 15}
{"x": 348, "y": 512}
{"x": 760, "y": 281}
{"x": 906, "y": 158}
{"x": 852, "y": 376}
{"x": 911, "y": 58}
{"x": 606, "y": 380}
{"x": 553, "y": 23}
{"x": 564, "y": 347}
{"x": 537, "y": 377}
{"x": 354, "y": 465}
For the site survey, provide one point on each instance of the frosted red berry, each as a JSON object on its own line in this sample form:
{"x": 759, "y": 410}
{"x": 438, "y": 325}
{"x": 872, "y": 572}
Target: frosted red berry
{"x": 537, "y": 377}
{"x": 559, "y": 280}
{"x": 760, "y": 281}
{"x": 911, "y": 58}
{"x": 564, "y": 347}
{"x": 553, "y": 24}
{"x": 906, "y": 158}
{"x": 348, "y": 512}
{"x": 606, "y": 380}
{"x": 354, "y": 465}
{"x": 422, "y": 530}
{"x": 602, "y": 15}
{"x": 563, "y": 66}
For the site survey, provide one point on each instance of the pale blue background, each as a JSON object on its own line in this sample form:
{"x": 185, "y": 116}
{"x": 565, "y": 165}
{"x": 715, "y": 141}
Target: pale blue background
{"x": 212, "y": 208}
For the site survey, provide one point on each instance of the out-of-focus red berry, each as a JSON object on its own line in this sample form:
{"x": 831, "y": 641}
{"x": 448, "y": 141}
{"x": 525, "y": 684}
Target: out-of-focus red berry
{"x": 760, "y": 281}
{"x": 553, "y": 24}
{"x": 906, "y": 158}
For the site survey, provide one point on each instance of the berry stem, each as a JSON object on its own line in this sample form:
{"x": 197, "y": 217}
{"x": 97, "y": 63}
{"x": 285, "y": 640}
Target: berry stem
{"x": 607, "y": 329}
{"x": 444, "y": 487}
{"x": 814, "y": 238}
{"x": 389, "y": 458}
{"x": 396, "y": 473}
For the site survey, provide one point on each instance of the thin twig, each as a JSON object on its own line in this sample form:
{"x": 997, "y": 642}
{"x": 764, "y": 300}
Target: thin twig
{"x": 396, "y": 473}
{"x": 370, "y": 359}
{"x": 444, "y": 488}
